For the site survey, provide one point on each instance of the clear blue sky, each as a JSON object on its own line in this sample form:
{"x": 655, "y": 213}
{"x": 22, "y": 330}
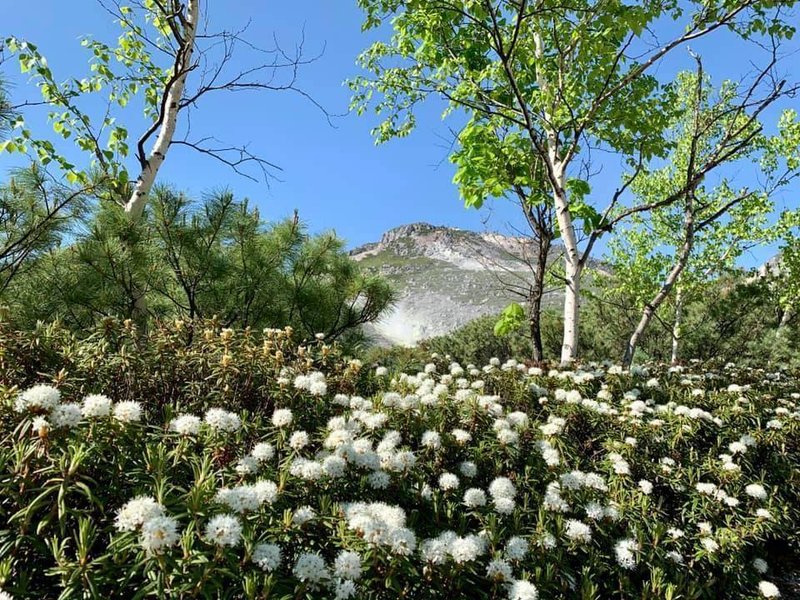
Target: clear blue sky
{"x": 335, "y": 176}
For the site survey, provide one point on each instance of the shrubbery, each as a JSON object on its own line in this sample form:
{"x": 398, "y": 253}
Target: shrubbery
{"x": 243, "y": 466}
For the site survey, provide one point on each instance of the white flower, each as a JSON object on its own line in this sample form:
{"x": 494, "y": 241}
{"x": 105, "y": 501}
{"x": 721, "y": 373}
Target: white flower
{"x": 466, "y": 549}
{"x": 498, "y": 570}
{"x": 518, "y": 419}
{"x": 760, "y": 565}
{"x": 223, "y": 420}
{"x": 461, "y": 436}
{"x": 303, "y": 515}
{"x": 474, "y": 497}
{"x": 223, "y": 530}
{"x": 768, "y": 590}
{"x": 96, "y": 406}
{"x": 185, "y": 425}
{"x": 40, "y": 424}
{"x": 298, "y": 440}
{"x": 66, "y": 415}
{"x": 626, "y": 553}
{"x": 158, "y": 533}
{"x": 432, "y": 440}
{"x": 577, "y": 531}
{"x": 282, "y": 417}
{"x": 5, "y": 596}
{"x": 267, "y": 556}
{"x": 334, "y": 466}
{"x": 263, "y": 452}
{"x": 310, "y": 567}
{"x": 516, "y": 548}
{"x": 594, "y": 510}
{"x": 137, "y": 511}
{"x": 347, "y": 565}
{"x": 381, "y": 371}
{"x": 266, "y": 491}
{"x": 344, "y": 590}
{"x": 507, "y": 437}
{"x": 39, "y": 398}
{"x": 468, "y": 469}
{"x": 737, "y": 447}
{"x": 502, "y": 487}
{"x": 756, "y": 490}
{"x": 128, "y": 412}
{"x": 646, "y": 487}
{"x": 240, "y": 499}
{"x": 247, "y": 466}
{"x": 448, "y": 481}
{"x": 675, "y": 557}
{"x": 381, "y": 525}
{"x": 522, "y": 590}
{"x": 379, "y": 480}
{"x": 706, "y": 488}
{"x": 709, "y": 545}
{"x": 504, "y": 506}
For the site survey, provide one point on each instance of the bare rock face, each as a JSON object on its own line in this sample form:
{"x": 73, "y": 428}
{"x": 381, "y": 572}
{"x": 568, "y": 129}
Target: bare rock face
{"x": 445, "y": 277}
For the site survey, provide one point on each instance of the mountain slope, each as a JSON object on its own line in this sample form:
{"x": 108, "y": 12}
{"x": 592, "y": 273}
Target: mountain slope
{"x": 445, "y": 278}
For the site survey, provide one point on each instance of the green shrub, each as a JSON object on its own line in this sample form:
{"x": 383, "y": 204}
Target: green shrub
{"x": 197, "y": 471}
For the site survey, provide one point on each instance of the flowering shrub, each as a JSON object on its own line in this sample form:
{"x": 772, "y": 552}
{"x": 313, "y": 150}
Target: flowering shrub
{"x": 453, "y": 482}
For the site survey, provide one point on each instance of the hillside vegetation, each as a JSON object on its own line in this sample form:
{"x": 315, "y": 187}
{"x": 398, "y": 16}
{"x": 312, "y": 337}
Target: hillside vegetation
{"x": 245, "y": 466}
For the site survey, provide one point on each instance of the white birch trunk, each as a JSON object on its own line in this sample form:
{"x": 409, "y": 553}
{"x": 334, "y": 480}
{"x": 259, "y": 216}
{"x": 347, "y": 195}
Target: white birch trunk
{"x": 572, "y": 259}
{"x": 676, "y": 326}
{"x": 147, "y": 177}
{"x": 573, "y": 270}
{"x": 569, "y": 344}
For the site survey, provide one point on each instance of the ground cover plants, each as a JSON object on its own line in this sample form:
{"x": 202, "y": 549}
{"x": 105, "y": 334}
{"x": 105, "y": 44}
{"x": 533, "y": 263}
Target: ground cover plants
{"x": 337, "y": 479}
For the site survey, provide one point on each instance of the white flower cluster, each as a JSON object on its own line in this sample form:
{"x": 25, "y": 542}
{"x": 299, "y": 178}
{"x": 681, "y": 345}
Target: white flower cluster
{"x": 157, "y": 530}
{"x": 313, "y": 383}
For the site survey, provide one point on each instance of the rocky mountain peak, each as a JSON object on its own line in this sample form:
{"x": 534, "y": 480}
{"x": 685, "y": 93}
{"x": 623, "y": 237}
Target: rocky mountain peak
{"x": 445, "y": 277}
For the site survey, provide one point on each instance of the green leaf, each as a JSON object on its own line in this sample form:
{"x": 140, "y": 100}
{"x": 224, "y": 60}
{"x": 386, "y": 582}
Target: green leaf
{"x": 512, "y": 318}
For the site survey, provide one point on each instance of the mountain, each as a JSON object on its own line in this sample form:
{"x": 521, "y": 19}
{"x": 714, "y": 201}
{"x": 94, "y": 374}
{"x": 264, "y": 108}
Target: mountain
{"x": 445, "y": 278}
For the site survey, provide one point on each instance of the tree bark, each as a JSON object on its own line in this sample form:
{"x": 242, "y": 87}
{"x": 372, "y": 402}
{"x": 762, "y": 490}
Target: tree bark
{"x": 669, "y": 282}
{"x": 573, "y": 267}
{"x": 536, "y": 295}
{"x": 786, "y": 316}
{"x": 676, "y": 325}
{"x": 168, "y": 118}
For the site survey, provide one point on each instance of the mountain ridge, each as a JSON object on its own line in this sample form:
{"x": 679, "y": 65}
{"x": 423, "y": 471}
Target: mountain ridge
{"x": 445, "y": 277}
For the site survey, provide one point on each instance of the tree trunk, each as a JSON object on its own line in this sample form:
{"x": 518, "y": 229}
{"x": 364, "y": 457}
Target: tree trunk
{"x": 169, "y": 115}
{"x": 786, "y": 316}
{"x": 167, "y": 124}
{"x": 669, "y": 282}
{"x": 676, "y": 325}
{"x": 572, "y": 265}
{"x": 536, "y": 295}
{"x": 569, "y": 344}
{"x": 572, "y": 258}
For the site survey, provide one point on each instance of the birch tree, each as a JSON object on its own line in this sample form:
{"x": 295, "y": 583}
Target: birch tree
{"x": 572, "y": 77}
{"x": 709, "y": 227}
{"x": 165, "y": 61}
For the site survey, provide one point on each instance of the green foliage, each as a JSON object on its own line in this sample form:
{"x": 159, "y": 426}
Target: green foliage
{"x": 216, "y": 258}
{"x": 736, "y": 319}
{"x": 70, "y": 465}
{"x": 511, "y": 319}
{"x": 136, "y": 69}
{"x": 35, "y": 215}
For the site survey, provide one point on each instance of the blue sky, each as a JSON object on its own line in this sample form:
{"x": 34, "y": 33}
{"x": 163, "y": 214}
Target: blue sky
{"x": 334, "y": 175}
